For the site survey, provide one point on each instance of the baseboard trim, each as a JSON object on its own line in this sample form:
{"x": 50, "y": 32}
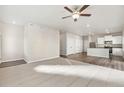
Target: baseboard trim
{"x": 28, "y": 60}
{"x": 40, "y": 59}
{"x": 65, "y": 56}
{"x": 74, "y": 53}
{"x": 11, "y": 60}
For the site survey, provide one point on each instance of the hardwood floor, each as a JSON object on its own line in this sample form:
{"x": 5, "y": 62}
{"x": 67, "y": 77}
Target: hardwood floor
{"x": 116, "y": 62}
{"x": 12, "y": 63}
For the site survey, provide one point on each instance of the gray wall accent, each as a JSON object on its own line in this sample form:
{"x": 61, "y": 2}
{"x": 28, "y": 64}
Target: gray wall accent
{"x": 123, "y": 43}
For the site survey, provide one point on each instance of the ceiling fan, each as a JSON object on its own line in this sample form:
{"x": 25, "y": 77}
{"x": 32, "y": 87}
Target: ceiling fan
{"x": 76, "y": 13}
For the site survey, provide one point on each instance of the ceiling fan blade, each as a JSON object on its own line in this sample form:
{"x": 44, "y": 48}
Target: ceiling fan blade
{"x": 66, "y": 17}
{"x": 68, "y": 9}
{"x": 85, "y": 14}
{"x": 83, "y": 8}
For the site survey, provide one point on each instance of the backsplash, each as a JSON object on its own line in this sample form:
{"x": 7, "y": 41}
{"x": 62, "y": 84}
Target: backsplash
{"x": 117, "y": 45}
{"x": 113, "y": 45}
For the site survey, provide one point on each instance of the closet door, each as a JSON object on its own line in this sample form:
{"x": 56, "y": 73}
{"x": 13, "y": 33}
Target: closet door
{"x": 78, "y": 44}
{"x": 71, "y": 45}
{"x": 86, "y": 44}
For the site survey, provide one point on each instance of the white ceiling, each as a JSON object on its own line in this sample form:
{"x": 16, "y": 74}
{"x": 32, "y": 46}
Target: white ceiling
{"x": 103, "y": 17}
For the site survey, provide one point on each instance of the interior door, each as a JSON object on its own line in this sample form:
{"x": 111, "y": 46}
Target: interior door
{"x": 71, "y": 45}
{"x": 79, "y": 44}
{"x": 86, "y": 44}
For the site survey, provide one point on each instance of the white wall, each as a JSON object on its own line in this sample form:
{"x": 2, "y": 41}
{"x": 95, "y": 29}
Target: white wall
{"x": 12, "y": 42}
{"x": 40, "y": 43}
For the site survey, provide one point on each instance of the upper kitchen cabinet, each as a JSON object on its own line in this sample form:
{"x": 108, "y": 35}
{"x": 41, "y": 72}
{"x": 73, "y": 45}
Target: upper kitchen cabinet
{"x": 100, "y": 40}
{"x": 117, "y": 39}
{"x": 108, "y": 38}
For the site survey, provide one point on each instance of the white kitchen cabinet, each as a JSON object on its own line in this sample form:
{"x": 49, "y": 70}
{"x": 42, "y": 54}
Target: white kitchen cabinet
{"x": 98, "y": 52}
{"x": 100, "y": 40}
{"x": 108, "y": 38}
{"x": 117, "y": 52}
{"x": 117, "y": 39}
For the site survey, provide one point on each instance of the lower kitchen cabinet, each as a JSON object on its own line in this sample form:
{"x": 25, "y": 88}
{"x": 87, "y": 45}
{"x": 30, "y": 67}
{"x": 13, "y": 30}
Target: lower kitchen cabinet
{"x": 117, "y": 52}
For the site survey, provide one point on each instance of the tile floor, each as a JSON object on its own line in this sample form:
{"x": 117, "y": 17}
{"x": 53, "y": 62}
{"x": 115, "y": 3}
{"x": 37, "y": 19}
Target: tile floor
{"x": 61, "y": 72}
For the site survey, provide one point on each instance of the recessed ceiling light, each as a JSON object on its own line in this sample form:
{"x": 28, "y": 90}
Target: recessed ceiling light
{"x": 13, "y": 22}
{"x": 107, "y": 31}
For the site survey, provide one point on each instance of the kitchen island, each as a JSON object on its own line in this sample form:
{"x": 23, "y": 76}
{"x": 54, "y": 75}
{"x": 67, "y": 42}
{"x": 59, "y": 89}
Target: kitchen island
{"x": 98, "y": 52}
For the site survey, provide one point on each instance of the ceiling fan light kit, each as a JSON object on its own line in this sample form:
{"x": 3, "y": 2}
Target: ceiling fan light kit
{"x": 76, "y": 14}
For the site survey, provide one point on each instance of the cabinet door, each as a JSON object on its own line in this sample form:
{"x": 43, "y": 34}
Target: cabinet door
{"x": 100, "y": 40}
{"x": 117, "y": 51}
{"x": 108, "y": 38}
{"x": 117, "y": 40}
